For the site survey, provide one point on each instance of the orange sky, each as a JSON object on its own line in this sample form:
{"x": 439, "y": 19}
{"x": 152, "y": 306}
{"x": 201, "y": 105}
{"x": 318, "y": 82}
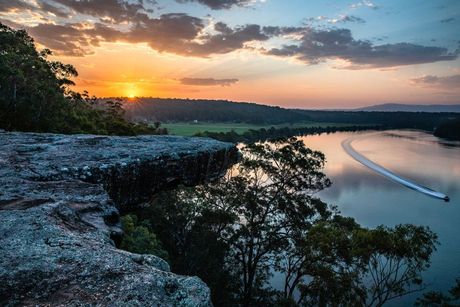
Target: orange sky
{"x": 304, "y": 54}
{"x": 120, "y": 69}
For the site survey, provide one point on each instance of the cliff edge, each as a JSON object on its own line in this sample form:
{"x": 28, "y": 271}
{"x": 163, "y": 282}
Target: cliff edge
{"x": 60, "y": 198}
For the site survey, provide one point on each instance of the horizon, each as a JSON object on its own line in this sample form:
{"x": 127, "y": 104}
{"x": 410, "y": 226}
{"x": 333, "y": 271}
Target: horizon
{"x": 345, "y": 55}
{"x": 132, "y": 99}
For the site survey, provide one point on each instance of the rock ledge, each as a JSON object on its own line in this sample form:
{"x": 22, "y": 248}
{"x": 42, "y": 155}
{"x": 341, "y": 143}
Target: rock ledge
{"x": 60, "y": 198}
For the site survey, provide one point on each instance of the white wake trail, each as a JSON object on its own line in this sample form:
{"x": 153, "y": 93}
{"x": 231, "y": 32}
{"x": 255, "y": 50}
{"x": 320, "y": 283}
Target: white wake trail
{"x": 346, "y": 144}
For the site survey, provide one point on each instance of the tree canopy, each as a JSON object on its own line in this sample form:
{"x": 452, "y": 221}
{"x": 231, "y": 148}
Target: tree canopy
{"x": 449, "y": 129}
{"x": 264, "y": 218}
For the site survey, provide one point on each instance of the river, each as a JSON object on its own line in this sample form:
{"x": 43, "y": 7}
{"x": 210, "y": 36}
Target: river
{"x": 373, "y": 199}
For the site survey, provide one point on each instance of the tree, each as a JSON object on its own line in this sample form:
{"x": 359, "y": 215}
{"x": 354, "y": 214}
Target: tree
{"x": 272, "y": 194}
{"x": 263, "y": 217}
{"x": 338, "y": 261}
{"x": 35, "y": 94}
{"x": 393, "y": 260}
{"x": 31, "y": 87}
{"x": 319, "y": 265}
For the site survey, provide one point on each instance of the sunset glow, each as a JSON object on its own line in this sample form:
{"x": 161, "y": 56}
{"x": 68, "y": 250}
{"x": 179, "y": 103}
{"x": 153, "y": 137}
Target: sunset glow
{"x": 384, "y": 51}
{"x": 229, "y": 152}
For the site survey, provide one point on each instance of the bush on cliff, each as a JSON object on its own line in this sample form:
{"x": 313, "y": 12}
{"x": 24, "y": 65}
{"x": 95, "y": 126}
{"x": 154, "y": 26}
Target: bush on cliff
{"x": 139, "y": 239}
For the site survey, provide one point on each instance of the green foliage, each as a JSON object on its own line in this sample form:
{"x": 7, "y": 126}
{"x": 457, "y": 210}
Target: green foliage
{"x": 139, "y": 239}
{"x": 35, "y": 94}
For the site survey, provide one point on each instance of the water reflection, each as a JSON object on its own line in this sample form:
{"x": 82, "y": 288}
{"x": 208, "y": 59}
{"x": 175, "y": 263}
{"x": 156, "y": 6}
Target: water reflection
{"x": 421, "y": 137}
{"x": 374, "y": 200}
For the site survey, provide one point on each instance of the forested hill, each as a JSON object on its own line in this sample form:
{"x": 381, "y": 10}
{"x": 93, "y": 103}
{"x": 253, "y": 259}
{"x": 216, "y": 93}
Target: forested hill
{"x": 185, "y": 110}
{"x": 449, "y": 129}
{"x": 388, "y": 120}
{"x": 397, "y": 107}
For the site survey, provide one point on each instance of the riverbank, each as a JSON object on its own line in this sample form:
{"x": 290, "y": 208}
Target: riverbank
{"x": 273, "y": 133}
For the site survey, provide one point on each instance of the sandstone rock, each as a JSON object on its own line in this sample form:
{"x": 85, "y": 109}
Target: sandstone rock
{"x": 59, "y": 202}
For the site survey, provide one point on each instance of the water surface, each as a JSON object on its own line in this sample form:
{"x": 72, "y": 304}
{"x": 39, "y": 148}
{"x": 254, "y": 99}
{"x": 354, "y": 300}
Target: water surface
{"x": 375, "y": 200}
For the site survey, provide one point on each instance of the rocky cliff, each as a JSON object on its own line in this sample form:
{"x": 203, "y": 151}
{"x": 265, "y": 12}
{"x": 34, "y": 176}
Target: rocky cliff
{"x": 60, "y": 198}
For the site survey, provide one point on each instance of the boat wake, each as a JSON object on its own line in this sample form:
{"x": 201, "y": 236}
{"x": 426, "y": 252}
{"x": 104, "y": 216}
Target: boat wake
{"x": 347, "y": 146}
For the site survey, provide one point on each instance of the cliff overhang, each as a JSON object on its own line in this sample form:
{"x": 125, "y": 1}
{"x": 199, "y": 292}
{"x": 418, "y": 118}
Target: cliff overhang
{"x": 60, "y": 198}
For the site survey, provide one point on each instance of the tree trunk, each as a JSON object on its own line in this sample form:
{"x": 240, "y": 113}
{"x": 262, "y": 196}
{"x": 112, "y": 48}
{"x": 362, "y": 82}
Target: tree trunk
{"x": 15, "y": 90}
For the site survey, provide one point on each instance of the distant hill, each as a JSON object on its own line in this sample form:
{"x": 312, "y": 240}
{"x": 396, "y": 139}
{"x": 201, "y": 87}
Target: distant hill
{"x": 218, "y": 111}
{"x": 187, "y": 110}
{"x": 395, "y": 107}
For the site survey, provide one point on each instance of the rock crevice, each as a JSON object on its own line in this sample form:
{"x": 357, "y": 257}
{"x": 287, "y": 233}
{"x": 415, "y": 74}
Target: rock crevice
{"x": 60, "y": 198}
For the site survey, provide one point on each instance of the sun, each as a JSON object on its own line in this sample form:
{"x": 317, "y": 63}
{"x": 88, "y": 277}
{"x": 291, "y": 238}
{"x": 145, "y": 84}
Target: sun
{"x": 131, "y": 92}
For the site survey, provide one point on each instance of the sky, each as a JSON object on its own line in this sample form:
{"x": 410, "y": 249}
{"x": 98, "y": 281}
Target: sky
{"x": 296, "y": 53}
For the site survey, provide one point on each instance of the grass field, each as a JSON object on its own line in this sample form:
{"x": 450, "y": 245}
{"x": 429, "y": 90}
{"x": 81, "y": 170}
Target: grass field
{"x": 189, "y": 129}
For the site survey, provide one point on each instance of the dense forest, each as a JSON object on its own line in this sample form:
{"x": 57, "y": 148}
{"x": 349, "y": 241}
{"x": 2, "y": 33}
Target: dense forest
{"x": 35, "y": 94}
{"x": 388, "y": 120}
{"x": 186, "y": 110}
{"x": 449, "y": 129}
{"x": 164, "y": 110}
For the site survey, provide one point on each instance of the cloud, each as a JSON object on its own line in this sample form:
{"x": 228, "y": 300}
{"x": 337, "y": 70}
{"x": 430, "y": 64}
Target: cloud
{"x": 220, "y": 4}
{"x": 72, "y": 39}
{"x": 339, "y": 19}
{"x": 59, "y": 12}
{"x": 110, "y": 10}
{"x": 273, "y": 31}
{"x": 364, "y": 3}
{"x": 445, "y": 82}
{"x": 178, "y": 33}
{"x": 208, "y": 81}
{"x": 116, "y": 10}
{"x": 13, "y": 5}
{"x": 183, "y": 35}
{"x": 447, "y": 20}
{"x": 7, "y": 6}
{"x": 174, "y": 33}
{"x": 347, "y": 18}
{"x": 317, "y": 46}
